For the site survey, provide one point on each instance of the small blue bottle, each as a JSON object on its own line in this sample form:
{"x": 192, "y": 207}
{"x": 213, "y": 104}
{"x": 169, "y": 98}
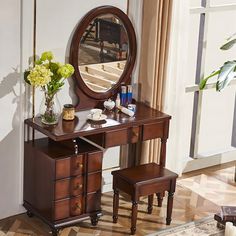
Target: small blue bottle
{"x": 129, "y": 94}
{"x": 123, "y": 96}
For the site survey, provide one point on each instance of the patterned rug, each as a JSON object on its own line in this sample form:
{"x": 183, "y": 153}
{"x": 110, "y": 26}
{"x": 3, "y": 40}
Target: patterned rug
{"x": 203, "y": 227}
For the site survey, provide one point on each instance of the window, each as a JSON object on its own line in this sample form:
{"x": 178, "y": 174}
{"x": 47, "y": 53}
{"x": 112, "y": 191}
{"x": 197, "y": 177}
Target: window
{"x": 211, "y": 22}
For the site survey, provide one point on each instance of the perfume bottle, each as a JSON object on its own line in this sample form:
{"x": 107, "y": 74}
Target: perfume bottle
{"x": 129, "y": 94}
{"x": 123, "y": 95}
{"x": 118, "y": 100}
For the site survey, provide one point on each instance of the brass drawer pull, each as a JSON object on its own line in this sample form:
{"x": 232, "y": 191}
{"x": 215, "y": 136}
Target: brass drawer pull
{"x": 78, "y": 186}
{"x": 79, "y": 165}
{"x": 77, "y": 206}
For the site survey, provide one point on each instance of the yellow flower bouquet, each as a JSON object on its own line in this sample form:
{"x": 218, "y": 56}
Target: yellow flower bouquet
{"x": 49, "y": 76}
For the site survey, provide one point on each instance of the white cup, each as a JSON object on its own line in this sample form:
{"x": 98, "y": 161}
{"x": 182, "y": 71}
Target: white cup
{"x": 96, "y": 114}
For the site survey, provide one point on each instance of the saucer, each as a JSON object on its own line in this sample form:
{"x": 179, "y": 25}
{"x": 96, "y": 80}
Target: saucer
{"x": 102, "y": 117}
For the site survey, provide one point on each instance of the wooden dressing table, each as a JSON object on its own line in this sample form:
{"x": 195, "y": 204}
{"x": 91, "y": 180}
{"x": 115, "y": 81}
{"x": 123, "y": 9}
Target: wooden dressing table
{"x": 63, "y": 171}
{"x": 52, "y": 164}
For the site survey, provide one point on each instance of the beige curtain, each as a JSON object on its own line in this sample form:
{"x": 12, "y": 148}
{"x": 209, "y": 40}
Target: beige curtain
{"x": 154, "y": 52}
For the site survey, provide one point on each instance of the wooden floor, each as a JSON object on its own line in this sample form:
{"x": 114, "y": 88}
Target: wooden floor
{"x": 188, "y": 206}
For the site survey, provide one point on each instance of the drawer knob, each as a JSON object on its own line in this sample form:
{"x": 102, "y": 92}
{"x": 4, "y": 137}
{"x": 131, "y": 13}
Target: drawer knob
{"x": 77, "y": 206}
{"x": 78, "y": 186}
{"x": 79, "y": 165}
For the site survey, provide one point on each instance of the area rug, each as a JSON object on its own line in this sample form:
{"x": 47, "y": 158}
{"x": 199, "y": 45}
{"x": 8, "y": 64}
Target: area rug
{"x": 204, "y": 227}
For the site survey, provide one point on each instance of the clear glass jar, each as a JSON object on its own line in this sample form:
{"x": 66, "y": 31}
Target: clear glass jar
{"x": 50, "y": 109}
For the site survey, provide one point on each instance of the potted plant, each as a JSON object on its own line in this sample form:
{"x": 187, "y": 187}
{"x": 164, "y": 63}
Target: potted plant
{"x": 226, "y": 72}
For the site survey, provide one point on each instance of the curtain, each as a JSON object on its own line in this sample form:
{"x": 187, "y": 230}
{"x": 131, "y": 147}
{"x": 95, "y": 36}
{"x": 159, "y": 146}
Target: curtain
{"x": 153, "y": 63}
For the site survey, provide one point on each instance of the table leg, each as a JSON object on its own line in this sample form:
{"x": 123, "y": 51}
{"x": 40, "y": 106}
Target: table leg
{"x": 115, "y": 205}
{"x": 163, "y": 152}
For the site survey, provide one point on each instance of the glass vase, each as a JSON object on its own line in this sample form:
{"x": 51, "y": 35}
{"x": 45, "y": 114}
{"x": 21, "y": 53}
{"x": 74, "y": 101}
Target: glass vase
{"x": 50, "y": 109}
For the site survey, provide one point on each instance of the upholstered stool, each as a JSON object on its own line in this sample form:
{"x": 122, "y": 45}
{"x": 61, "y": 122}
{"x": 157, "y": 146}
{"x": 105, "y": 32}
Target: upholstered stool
{"x": 143, "y": 180}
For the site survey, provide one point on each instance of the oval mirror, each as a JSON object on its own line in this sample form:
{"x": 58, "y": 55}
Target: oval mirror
{"x": 103, "y": 51}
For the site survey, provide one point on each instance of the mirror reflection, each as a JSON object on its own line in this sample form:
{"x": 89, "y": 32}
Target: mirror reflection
{"x": 103, "y": 52}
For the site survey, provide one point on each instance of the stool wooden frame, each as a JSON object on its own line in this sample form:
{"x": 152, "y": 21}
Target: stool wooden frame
{"x": 144, "y": 180}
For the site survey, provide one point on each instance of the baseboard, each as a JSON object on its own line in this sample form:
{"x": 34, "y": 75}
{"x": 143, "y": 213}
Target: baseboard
{"x": 208, "y": 161}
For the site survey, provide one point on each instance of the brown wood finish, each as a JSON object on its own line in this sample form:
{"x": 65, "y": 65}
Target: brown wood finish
{"x": 93, "y": 202}
{"x": 115, "y": 121}
{"x": 153, "y": 130}
{"x": 142, "y": 180}
{"x": 62, "y": 189}
{"x": 116, "y": 138}
{"x": 67, "y": 175}
{"x": 76, "y": 206}
{"x": 94, "y": 182}
{"x": 63, "y": 168}
{"x": 77, "y": 165}
{"x": 94, "y": 161}
{"x": 61, "y": 209}
{"x": 87, "y": 97}
{"x": 68, "y": 187}
{"x": 57, "y": 183}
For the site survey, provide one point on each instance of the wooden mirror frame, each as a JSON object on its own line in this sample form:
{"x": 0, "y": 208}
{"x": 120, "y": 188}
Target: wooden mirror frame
{"x": 87, "y": 97}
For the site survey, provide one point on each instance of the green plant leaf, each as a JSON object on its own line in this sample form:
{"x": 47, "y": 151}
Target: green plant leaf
{"x": 229, "y": 43}
{"x": 226, "y": 75}
{"x": 203, "y": 82}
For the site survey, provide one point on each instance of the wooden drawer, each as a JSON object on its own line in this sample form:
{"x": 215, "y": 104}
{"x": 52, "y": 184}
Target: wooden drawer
{"x": 95, "y": 161}
{"x": 93, "y": 202}
{"x": 134, "y": 134}
{"x": 61, "y": 209}
{"x": 68, "y": 207}
{"x": 62, "y": 168}
{"x": 122, "y": 136}
{"x": 77, "y": 165}
{"x": 65, "y": 188}
{"x": 70, "y": 166}
{"x": 116, "y": 138}
{"x": 94, "y": 182}
{"x": 76, "y": 207}
{"x": 153, "y": 130}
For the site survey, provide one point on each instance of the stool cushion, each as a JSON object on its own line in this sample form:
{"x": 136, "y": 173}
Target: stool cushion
{"x": 146, "y": 173}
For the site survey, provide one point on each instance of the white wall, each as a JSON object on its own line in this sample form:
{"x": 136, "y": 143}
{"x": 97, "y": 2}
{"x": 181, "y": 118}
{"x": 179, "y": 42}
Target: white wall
{"x": 56, "y": 21}
{"x": 11, "y": 109}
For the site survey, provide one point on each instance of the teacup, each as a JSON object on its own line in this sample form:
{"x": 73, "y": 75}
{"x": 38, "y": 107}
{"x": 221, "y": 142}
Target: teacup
{"x": 96, "y": 114}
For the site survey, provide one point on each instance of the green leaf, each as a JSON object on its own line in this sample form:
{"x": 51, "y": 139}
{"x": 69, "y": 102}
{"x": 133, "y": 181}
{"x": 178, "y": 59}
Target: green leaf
{"x": 203, "y": 82}
{"x": 229, "y": 43}
{"x": 226, "y": 75}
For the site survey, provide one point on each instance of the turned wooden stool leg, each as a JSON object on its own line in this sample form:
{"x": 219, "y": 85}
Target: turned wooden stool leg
{"x": 134, "y": 216}
{"x": 160, "y": 198}
{"x": 169, "y": 207}
{"x": 115, "y": 205}
{"x": 150, "y": 203}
